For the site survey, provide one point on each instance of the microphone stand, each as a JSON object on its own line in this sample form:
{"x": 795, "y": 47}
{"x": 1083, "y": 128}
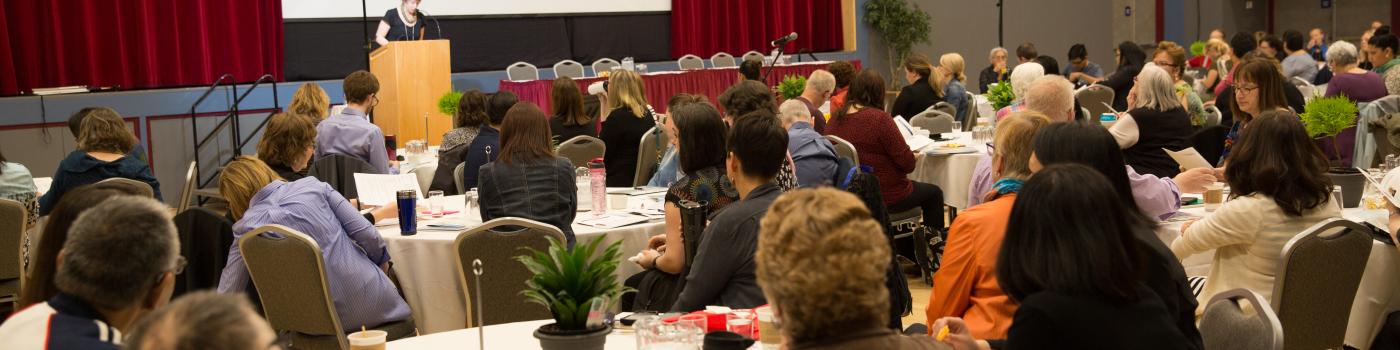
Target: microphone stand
{"x": 774, "y": 64}
{"x": 364, "y": 19}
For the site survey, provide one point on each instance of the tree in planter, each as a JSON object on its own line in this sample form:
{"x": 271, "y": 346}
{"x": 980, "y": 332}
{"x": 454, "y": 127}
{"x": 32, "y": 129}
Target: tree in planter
{"x": 1325, "y": 117}
{"x": 902, "y": 26}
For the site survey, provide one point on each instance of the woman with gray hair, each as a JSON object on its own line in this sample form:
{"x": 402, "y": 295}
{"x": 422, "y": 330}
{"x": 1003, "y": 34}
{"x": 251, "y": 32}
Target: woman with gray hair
{"x": 1358, "y": 84}
{"x": 1156, "y": 121}
{"x": 995, "y": 72}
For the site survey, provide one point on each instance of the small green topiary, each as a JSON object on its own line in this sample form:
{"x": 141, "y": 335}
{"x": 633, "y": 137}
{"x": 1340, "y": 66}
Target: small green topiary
{"x": 1328, "y": 116}
{"x": 447, "y": 104}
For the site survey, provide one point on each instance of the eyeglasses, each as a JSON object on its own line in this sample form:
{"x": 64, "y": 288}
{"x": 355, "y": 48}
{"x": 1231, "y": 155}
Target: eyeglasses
{"x": 1241, "y": 88}
{"x": 1164, "y": 64}
{"x": 180, "y": 264}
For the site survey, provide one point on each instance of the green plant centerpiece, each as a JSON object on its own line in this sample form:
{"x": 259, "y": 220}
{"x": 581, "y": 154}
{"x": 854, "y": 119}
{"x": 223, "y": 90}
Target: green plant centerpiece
{"x": 1000, "y": 95}
{"x": 567, "y": 282}
{"x": 791, "y": 87}
{"x": 902, "y": 25}
{"x": 447, "y": 104}
{"x": 1326, "y": 117}
{"x": 1198, "y": 48}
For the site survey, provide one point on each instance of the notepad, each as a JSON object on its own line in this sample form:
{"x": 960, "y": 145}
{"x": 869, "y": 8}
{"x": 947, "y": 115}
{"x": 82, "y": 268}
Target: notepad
{"x": 1188, "y": 158}
{"x": 1385, "y": 190}
{"x": 912, "y": 139}
{"x": 382, "y": 189}
{"x": 612, "y": 220}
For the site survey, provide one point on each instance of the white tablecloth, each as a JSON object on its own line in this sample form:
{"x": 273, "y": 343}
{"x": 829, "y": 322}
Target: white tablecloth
{"x": 1377, "y": 296}
{"x": 950, "y": 172}
{"x": 514, "y": 336}
{"x": 427, "y": 269}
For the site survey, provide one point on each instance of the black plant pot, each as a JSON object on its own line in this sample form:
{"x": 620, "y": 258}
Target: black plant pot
{"x": 552, "y": 338}
{"x": 1353, "y": 183}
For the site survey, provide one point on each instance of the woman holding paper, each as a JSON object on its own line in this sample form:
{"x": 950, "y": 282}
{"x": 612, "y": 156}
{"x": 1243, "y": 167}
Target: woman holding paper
{"x": 356, "y": 258}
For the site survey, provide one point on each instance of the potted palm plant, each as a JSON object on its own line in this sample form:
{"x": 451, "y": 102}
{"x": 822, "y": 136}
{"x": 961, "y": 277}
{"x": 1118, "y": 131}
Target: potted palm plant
{"x": 1325, "y": 118}
{"x": 567, "y": 282}
{"x": 901, "y": 24}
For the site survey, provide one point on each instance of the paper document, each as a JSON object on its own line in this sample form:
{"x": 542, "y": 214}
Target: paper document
{"x": 1188, "y": 158}
{"x": 381, "y": 189}
{"x": 915, "y": 141}
{"x": 612, "y": 220}
{"x": 43, "y": 184}
{"x": 636, "y": 191}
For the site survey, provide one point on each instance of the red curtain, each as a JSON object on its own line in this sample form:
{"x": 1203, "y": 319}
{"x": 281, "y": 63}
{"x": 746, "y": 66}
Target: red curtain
{"x": 137, "y": 43}
{"x": 704, "y": 27}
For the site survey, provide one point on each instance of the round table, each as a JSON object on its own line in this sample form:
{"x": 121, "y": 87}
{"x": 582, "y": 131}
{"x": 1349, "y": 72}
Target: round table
{"x": 518, "y": 336}
{"x": 950, "y": 172}
{"x": 427, "y": 270}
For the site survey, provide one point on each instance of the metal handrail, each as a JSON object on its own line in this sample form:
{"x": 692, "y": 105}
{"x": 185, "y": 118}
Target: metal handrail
{"x": 275, "y": 103}
{"x": 223, "y": 80}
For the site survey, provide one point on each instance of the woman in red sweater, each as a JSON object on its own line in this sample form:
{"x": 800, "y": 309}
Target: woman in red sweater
{"x": 880, "y": 145}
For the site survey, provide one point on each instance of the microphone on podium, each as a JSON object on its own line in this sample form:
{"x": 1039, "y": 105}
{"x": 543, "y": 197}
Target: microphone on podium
{"x": 437, "y": 24}
{"x": 784, "y": 40}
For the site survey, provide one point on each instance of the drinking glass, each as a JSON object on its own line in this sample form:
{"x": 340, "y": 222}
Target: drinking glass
{"x": 957, "y": 126}
{"x": 471, "y": 201}
{"x": 655, "y": 334}
{"x": 741, "y": 322}
{"x": 435, "y": 203}
{"x": 699, "y": 320}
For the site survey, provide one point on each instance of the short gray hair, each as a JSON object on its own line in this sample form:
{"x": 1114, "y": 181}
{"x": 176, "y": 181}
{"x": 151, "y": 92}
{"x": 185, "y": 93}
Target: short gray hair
{"x": 992, "y": 55}
{"x": 821, "y": 80}
{"x": 791, "y": 110}
{"x": 1155, "y": 89}
{"x": 1023, "y": 75}
{"x": 116, "y": 251}
{"x": 201, "y": 320}
{"x": 1051, "y": 95}
{"x": 1341, "y": 53}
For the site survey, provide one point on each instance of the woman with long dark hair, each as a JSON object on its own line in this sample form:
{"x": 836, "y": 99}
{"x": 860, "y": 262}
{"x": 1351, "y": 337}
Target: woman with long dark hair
{"x": 1091, "y": 145}
{"x": 1072, "y": 261}
{"x": 1279, "y": 187}
{"x": 569, "y": 119}
{"x": 1130, "y": 61}
{"x": 527, "y": 180}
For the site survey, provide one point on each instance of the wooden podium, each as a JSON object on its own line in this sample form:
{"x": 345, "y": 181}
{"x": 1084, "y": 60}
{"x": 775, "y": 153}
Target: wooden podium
{"x": 412, "y": 76}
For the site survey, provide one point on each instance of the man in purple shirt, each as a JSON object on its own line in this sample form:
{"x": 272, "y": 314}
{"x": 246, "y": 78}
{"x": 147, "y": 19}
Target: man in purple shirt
{"x": 819, "y": 87}
{"x": 350, "y": 132}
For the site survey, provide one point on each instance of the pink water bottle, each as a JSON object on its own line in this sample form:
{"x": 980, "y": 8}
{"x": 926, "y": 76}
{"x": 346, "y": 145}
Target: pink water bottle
{"x": 598, "y": 183}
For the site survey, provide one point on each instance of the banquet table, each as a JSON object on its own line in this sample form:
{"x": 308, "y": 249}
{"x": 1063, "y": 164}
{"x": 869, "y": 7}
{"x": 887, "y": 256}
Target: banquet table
{"x": 660, "y": 86}
{"x": 427, "y": 268}
{"x": 950, "y": 172}
{"x": 515, "y": 336}
{"x": 1377, "y": 296}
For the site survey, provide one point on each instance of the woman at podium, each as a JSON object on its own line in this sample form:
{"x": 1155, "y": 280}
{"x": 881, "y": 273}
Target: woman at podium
{"x": 401, "y": 23}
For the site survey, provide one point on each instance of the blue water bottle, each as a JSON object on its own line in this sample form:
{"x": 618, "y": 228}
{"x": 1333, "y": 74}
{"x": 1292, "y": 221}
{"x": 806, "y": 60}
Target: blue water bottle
{"x": 408, "y": 220}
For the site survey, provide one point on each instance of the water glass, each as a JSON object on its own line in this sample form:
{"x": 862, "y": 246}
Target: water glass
{"x": 471, "y": 201}
{"x": 655, "y": 334}
{"x": 957, "y": 126}
{"x": 435, "y": 203}
{"x": 699, "y": 320}
{"x": 741, "y": 322}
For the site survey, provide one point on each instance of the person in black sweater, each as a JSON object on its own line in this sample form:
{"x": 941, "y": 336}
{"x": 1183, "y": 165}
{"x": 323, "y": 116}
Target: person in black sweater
{"x": 923, "y": 90}
{"x": 1072, "y": 261}
{"x": 1130, "y": 62}
{"x": 486, "y": 147}
{"x": 1156, "y": 122}
{"x": 623, "y": 127}
{"x": 569, "y": 119}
